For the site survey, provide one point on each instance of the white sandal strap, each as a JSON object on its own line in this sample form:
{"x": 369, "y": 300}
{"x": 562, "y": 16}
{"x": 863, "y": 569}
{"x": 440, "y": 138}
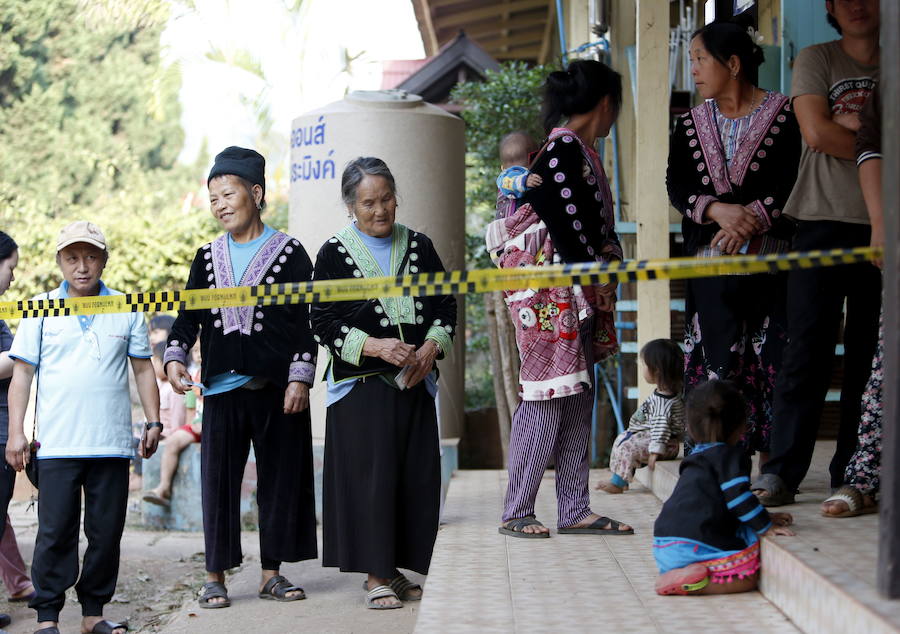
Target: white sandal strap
{"x": 843, "y": 497}
{"x": 381, "y": 592}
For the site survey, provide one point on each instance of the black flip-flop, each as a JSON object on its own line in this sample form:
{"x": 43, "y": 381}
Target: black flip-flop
{"x": 108, "y": 627}
{"x": 777, "y": 492}
{"x": 514, "y": 528}
{"x": 601, "y": 526}
{"x": 277, "y": 588}
{"x": 213, "y": 590}
{"x": 48, "y": 630}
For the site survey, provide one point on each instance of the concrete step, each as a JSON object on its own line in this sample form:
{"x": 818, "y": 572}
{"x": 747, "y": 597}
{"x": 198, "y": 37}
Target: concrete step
{"x": 823, "y": 579}
{"x": 481, "y": 581}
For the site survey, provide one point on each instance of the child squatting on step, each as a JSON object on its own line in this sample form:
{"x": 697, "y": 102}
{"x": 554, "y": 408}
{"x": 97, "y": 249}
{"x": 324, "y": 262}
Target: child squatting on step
{"x": 656, "y": 429}
{"x": 706, "y": 538}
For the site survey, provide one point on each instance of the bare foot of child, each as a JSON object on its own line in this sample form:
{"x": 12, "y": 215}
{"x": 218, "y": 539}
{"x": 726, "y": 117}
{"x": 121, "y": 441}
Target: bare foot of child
{"x": 609, "y": 487}
{"x": 694, "y": 579}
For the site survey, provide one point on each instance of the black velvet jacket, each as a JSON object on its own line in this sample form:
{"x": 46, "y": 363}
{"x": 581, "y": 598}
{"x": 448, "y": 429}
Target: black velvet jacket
{"x": 574, "y": 200}
{"x": 698, "y": 508}
{"x": 761, "y": 176}
{"x": 343, "y": 327}
{"x": 274, "y": 342}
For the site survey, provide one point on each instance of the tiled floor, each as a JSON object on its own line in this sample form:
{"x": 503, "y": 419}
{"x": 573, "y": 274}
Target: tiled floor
{"x": 482, "y": 581}
{"x": 831, "y": 561}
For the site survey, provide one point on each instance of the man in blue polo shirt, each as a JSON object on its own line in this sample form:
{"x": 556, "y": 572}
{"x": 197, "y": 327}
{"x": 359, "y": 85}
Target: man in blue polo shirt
{"x": 83, "y": 425}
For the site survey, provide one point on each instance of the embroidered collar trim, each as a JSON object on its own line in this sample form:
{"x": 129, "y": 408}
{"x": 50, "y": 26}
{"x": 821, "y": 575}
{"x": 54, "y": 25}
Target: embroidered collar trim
{"x": 397, "y": 310}
{"x": 711, "y": 142}
{"x": 241, "y": 317}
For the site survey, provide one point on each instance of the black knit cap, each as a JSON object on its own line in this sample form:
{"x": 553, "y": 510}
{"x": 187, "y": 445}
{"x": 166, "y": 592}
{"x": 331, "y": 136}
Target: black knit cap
{"x": 248, "y": 164}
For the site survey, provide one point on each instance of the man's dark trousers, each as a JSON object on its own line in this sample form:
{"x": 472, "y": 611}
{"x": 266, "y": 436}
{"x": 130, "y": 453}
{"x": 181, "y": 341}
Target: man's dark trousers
{"x": 7, "y": 484}
{"x": 815, "y": 303}
{"x": 54, "y": 568}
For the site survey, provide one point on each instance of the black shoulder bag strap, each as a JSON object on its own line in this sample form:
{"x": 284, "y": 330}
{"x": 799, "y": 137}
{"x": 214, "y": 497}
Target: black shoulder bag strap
{"x": 31, "y": 469}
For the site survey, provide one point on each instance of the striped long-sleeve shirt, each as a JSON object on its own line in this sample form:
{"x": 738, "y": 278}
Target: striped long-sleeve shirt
{"x": 868, "y": 139}
{"x": 663, "y": 416}
{"x": 712, "y": 499}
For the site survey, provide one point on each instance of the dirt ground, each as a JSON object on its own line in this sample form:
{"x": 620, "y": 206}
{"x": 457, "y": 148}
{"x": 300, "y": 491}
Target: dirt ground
{"x": 159, "y": 571}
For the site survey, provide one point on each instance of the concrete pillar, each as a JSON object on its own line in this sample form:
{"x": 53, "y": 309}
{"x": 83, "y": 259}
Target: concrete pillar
{"x": 622, "y": 36}
{"x": 651, "y": 200}
{"x": 578, "y": 30}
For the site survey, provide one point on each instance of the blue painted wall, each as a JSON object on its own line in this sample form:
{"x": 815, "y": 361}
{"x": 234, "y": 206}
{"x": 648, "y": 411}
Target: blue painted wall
{"x": 803, "y": 23}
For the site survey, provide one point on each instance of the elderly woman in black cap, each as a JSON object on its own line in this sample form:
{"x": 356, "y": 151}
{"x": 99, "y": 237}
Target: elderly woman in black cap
{"x": 258, "y": 364}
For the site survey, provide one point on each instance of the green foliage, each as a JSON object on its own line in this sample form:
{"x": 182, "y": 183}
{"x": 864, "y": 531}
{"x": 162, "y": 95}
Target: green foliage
{"x": 90, "y": 129}
{"x": 508, "y": 100}
{"x": 238, "y": 58}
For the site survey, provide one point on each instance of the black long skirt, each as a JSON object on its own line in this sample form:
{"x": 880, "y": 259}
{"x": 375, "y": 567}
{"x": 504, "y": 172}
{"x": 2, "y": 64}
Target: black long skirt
{"x": 736, "y": 329}
{"x": 382, "y": 480}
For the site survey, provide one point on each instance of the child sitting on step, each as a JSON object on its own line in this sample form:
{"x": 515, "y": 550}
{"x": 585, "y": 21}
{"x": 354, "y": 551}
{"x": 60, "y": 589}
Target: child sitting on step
{"x": 706, "y": 538}
{"x": 656, "y": 429}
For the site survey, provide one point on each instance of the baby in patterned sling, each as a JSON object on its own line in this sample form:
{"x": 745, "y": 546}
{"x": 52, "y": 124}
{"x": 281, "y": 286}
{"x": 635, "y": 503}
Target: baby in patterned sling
{"x": 656, "y": 429}
{"x": 515, "y": 179}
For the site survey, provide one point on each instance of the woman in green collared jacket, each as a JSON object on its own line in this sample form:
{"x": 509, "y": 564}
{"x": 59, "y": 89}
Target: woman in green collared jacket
{"x": 381, "y": 494}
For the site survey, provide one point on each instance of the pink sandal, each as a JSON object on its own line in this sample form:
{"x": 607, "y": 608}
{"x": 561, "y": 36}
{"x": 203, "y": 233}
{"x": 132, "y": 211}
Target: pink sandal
{"x": 683, "y": 580}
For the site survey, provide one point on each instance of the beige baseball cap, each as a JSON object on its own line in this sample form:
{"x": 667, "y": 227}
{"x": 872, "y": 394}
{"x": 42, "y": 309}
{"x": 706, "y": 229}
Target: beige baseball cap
{"x": 80, "y": 231}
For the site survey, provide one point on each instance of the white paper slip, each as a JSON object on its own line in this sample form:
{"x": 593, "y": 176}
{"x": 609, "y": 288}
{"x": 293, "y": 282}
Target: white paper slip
{"x": 401, "y": 377}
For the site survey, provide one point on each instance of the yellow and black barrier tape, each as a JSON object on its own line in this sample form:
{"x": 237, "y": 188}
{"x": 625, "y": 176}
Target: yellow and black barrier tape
{"x": 426, "y": 284}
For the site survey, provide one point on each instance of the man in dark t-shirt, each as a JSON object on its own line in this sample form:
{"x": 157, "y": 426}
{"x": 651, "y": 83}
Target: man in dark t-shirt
{"x": 831, "y": 82}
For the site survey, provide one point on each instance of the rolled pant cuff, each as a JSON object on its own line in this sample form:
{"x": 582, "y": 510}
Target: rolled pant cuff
{"x": 47, "y": 614}
{"x": 515, "y": 514}
{"x": 211, "y": 566}
{"x": 270, "y": 564}
{"x": 580, "y": 517}
{"x": 90, "y": 608}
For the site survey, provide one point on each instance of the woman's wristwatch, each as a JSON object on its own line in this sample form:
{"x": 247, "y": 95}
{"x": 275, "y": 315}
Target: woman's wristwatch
{"x": 148, "y": 426}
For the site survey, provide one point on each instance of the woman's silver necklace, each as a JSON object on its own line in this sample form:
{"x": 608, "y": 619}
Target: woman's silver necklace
{"x": 752, "y": 102}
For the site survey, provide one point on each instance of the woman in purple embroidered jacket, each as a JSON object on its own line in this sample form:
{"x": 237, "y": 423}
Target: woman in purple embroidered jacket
{"x": 732, "y": 164}
{"x": 258, "y": 365}
{"x": 560, "y": 332}
{"x": 382, "y": 481}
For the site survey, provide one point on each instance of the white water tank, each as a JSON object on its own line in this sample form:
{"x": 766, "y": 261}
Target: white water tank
{"x": 424, "y": 146}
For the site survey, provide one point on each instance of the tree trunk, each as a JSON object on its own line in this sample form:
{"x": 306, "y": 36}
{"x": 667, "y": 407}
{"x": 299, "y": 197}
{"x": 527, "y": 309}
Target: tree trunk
{"x": 509, "y": 353}
{"x": 495, "y": 343}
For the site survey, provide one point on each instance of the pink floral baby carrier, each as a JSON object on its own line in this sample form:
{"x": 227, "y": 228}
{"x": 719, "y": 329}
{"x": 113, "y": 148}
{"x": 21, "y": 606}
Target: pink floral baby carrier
{"x": 548, "y": 321}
